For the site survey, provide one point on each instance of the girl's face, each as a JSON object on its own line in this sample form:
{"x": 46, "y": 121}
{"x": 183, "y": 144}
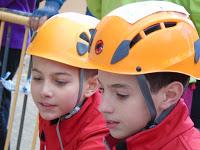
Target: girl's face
{"x": 123, "y": 105}
{"x": 54, "y": 87}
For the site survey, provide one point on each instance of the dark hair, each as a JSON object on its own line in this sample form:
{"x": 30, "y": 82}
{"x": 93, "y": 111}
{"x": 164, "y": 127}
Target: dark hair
{"x": 159, "y": 80}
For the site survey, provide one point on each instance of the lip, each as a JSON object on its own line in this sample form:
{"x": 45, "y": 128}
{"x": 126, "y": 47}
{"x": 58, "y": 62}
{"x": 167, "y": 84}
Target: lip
{"x": 47, "y": 105}
{"x": 111, "y": 124}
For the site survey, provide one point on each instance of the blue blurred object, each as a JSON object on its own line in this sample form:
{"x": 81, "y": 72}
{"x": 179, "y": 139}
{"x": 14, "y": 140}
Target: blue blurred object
{"x": 51, "y": 8}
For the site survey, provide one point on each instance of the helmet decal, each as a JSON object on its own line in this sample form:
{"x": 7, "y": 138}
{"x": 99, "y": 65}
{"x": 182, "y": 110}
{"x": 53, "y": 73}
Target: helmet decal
{"x": 84, "y": 48}
{"x": 197, "y": 51}
{"x": 99, "y": 47}
{"x": 92, "y": 33}
{"x": 84, "y": 36}
{"x": 121, "y": 52}
{"x": 81, "y": 48}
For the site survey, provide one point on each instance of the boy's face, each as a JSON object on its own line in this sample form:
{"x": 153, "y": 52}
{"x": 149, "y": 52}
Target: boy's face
{"x": 123, "y": 105}
{"x": 54, "y": 87}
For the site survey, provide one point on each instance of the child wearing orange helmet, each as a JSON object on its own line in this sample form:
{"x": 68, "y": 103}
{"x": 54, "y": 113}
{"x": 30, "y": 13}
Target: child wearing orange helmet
{"x": 64, "y": 87}
{"x": 145, "y": 53}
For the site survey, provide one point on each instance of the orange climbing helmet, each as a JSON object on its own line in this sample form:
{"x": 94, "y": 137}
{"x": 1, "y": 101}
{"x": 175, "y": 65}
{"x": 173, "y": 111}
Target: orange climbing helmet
{"x": 147, "y": 37}
{"x": 65, "y": 38}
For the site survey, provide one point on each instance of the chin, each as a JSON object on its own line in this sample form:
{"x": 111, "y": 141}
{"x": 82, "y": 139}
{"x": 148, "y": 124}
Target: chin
{"x": 48, "y": 117}
{"x": 120, "y": 134}
{"x": 116, "y": 135}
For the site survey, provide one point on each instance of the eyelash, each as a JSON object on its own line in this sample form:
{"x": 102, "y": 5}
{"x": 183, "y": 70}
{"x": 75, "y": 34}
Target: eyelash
{"x": 36, "y": 78}
{"x": 61, "y": 83}
{"x": 121, "y": 96}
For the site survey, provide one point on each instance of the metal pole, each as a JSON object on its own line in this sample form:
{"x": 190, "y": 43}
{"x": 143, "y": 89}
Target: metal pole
{"x": 23, "y": 112}
{"x": 35, "y": 134}
{"x": 5, "y": 60}
{"x": 1, "y": 31}
{"x": 14, "y": 16}
{"x": 12, "y": 112}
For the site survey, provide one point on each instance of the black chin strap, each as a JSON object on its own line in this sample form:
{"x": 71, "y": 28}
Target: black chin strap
{"x": 150, "y": 104}
{"x": 163, "y": 115}
{"x": 74, "y": 110}
{"x": 168, "y": 110}
{"x": 78, "y": 104}
{"x": 147, "y": 97}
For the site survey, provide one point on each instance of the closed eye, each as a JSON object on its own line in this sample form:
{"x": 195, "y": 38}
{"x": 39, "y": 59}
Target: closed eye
{"x": 61, "y": 83}
{"x": 36, "y": 78}
{"x": 122, "y": 96}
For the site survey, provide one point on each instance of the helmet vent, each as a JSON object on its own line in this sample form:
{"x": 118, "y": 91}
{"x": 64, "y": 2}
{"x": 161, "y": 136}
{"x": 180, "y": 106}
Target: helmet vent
{"x": 169, "y": 24}
{"x": 149, "y": 30}
{"x": 152, "y": 28}
{"x": 136, "y": 39}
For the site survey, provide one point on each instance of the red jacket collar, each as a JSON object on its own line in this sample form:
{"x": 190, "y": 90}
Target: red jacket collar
{"x": 175, "y": 123}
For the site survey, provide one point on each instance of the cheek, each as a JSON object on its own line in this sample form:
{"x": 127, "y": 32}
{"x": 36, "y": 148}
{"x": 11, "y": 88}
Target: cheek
{"x": 67, "y": 99}
{"x": 34, "y": 90}
{"x": 136, "y": 112}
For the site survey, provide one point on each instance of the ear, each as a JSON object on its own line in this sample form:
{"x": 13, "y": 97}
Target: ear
{"x": 172, "y": 93}
{"x": 92, "y": 86}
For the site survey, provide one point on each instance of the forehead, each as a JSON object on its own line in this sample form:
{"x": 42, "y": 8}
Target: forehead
{"x": 50, "y": 65}
{"x": 117, "y": 79}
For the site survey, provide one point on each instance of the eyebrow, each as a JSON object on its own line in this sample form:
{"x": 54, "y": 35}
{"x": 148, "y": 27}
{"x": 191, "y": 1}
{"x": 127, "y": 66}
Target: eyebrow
{"x": 36, "y": 70}
{"x": 63, "y": 73}
{"x": 120, "y": 86}
{"x": 57, "y": 73}
{"x": 117, "y": 85}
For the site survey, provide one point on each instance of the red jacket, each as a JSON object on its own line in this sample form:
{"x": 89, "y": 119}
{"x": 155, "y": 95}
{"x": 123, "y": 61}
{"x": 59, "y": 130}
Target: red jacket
{"x": 84, "y": 131}
{"x": 175, "y": 132}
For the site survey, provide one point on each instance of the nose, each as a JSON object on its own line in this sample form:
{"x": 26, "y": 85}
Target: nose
{"x": 106, "y": 105}
{"x": 46, "y": 90}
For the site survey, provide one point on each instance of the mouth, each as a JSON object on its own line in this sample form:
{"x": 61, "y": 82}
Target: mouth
{"x": 111, "y": 124}
{"x": 46, "y": 105}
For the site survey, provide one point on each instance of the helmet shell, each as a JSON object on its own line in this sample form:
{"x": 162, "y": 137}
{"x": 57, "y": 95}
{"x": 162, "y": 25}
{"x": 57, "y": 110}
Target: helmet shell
{"x": 57, "y": 39}
{"x": 161, "y": 41}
